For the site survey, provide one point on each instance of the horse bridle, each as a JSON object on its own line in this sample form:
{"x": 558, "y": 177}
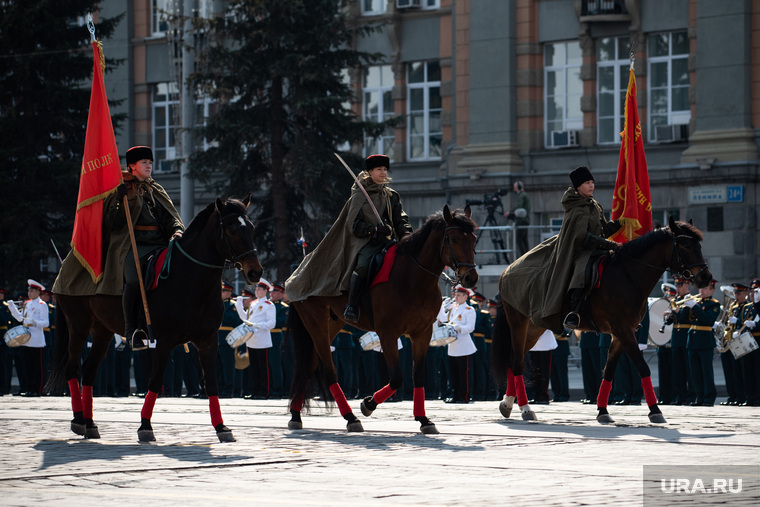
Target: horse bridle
{"x": 685, "y": 273}
{"x": 233, "y": 258}
{"x": 455, "y": 262}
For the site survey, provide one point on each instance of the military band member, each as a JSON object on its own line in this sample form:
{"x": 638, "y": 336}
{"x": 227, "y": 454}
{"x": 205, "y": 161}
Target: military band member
{"x": 263, "y": 316}
{"x": 462, "y": 316}
{"x": 559, "y": 374}
{"x": 751, "y": 362}
{"x": 6, "y": 368}
{"x": 683, "y": 382}
{"x": 701, "y": 342}
{"x": 279, "y": 387}
{"x": 732, "y": 369}
{"x": 225, "y": 364}
{"x": 481, "y": 333}
{"x": 591, "y": 365}
{"x": 35, "y": 317}
{"x": 665, "y": 355}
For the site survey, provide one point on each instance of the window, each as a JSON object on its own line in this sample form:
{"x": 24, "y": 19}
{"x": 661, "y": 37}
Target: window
{"x": 205, "y": 107}
{"x": 668, "y": 59}
{"x": 166, "y": 120}
{"x": 160, "y": 17}
{"x": 377, "y": 106}
{"x": 373, "y": 7}
{"x": 612, "y": 64}
{"x": 563, "y": 88}
{"x": 424, "y": 132}
{"x": 431, "y": 4}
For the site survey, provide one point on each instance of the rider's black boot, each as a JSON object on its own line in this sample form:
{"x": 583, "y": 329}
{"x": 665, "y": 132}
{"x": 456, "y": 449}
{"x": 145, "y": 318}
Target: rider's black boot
{"x": 130, "y": 301}
{"x": 351, "y": 313}
{"x": 573, "y": 319}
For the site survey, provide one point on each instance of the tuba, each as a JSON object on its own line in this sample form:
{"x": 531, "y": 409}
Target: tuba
{"x": 722, "y": 329}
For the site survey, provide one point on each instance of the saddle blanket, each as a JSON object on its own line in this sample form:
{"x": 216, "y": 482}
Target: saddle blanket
{"x": 385, "y": 270}
{"x": 154, "y": 268}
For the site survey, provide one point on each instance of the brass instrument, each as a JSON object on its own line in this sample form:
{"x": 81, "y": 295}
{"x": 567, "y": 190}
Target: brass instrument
{"x": 722, "y": 329}
{"x": 674, "y": 305}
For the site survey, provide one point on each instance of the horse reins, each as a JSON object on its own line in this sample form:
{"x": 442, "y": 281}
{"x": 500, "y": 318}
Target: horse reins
{"x": 455, "y": 263}
{"x": 685, "y": 273}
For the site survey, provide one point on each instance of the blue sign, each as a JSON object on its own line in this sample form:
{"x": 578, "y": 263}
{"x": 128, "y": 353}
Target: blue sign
{"x": 735, "y": 193}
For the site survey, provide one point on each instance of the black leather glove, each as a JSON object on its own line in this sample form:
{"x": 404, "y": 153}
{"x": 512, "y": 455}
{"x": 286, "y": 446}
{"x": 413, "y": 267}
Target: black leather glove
{"x": 599, "y": 243}
{"x": 121, "y": 191}
{"x": 611, "y": 228}
{"x": 382, "y": 232}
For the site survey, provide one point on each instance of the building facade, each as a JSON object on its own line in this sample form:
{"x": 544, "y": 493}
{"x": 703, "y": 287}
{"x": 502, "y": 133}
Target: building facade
{"x": 498, "y": 91}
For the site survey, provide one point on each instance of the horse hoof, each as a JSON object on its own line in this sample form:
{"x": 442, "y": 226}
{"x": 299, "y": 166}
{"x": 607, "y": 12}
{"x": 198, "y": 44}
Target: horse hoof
{"x": 225, "y": 436}
{"x": 295, "y": 425}
{"x": 529, "y": 415}
{"x": 92, "y": 432}
{"x": 604, "y": 419}
{"x": 657, "y": 418}
{"x": 355, "y": 426}
{"x": 78, "y": 428}
{"x": 505, "y": 409}
{"x": 430, "y": 429}
{"x": 145, "y": 436}
{"x": 368, "y": 406}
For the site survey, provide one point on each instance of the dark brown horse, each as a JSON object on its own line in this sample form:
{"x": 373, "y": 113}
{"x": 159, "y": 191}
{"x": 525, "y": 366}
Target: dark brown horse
{"x": 186, "y": 306}
{"x": 407, "y": 304}
{"x": 617, "y": 307}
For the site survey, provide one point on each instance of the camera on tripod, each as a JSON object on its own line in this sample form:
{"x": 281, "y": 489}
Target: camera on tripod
{"x": 491, "y": 202}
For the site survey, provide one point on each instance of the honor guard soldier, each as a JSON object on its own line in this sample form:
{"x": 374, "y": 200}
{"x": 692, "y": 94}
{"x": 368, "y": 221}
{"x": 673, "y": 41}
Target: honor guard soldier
{"x": 559, "y": 375}
{"x": 683, "y": 382}
{"x": 35, "y": 317}
{"x": 665, "y": 356}
{"x": 751, "y": 362}
{"x": 462, "y": 316}
{"x": 262, "y": 316}
{"x": 6, "y": 322}
{"x": 703, "y": 312}
{"x": 279, "y": 387}
{"x": 225, "y": 364}
{"x": 482, "y": 332}
{"x": 591, "y": 365}
{"x": 738, "y": 311}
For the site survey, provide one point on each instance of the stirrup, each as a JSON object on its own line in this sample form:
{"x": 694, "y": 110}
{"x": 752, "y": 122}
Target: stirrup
{"x": 139, "y": 340}
{"x": 572, "y": 320}
{"x": 351, "y": 313}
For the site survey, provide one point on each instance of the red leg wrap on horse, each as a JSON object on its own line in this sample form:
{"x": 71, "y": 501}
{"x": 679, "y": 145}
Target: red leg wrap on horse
{"x": 76, "y": 396}
{"x": 216, "y": 411}
{"x": 87, "y": 402}
{"x": 148, "y": 404}
{"x": 419, "y": 402}
{"x": 522, "y": 396}
{"x": 383, "y": 394}
{"x": 604, "y": 394}
{"x": 340, "y": 399}
{"x": 510, "y": 383}
{"x": 646, "y": 385}
{"x": 297, "y": 404}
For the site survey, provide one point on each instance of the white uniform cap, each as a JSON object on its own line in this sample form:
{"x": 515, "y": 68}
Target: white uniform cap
{"x": 263, "y": 283}
{"x": 36, "y": 285}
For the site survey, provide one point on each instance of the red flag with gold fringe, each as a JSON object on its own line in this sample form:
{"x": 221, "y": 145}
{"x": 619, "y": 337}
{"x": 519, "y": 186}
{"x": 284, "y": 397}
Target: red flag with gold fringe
{"x": 99, "y": 174}
{"x": 632, "y": 203}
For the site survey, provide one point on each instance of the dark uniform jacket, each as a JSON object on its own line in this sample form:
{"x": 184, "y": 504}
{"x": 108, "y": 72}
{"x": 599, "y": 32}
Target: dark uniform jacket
{"x": 681, "y": 321}
{"x": 703, "y": 315}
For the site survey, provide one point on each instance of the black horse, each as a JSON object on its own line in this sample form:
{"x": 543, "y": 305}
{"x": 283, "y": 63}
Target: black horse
{"x": 186, "y": 306}
{"x": 617, "y": 307}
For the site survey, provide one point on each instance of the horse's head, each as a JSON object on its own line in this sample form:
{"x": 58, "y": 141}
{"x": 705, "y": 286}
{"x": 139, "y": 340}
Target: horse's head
{"x": 236, "y": 237}
{"x": 687, "y": 258}
{"x": 460, "y": 238}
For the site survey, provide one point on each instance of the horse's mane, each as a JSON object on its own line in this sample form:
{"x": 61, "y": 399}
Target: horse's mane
{"x": 634, "y": 248}
{"x": 413, "y": 243}
{"x": 200, "y": 220}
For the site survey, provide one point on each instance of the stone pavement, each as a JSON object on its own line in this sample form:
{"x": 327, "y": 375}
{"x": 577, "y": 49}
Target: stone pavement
{"x": 566, "y": 458}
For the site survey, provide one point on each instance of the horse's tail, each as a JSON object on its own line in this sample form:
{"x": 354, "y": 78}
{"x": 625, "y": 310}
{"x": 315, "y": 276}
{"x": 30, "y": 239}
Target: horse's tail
{"x": 501, "y": 349}
{"x": 305, "y": 385}
{"x": 57, "y": 381}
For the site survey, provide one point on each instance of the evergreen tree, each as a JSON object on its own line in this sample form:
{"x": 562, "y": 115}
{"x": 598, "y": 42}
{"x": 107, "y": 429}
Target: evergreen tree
{"x": 276, "y": 69}
{"x": 45, "y": 74}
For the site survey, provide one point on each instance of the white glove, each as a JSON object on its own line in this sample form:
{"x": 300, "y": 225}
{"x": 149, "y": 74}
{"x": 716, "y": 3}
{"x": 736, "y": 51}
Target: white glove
{"x": 732, "y": 320}
{"x": 749, "y": 324}
{"x": 457, "y": 329}
{"x": 691, "y": 303}
{"x": 735, "y": 335}
{"x": 29, "y": 322}
{"x": 715, "y": 326}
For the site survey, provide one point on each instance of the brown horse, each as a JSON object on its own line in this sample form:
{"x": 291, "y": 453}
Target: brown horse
{"x": 186, "y": 306}
{"x": 617, "y": 307}
{"x": 407, "y": 304}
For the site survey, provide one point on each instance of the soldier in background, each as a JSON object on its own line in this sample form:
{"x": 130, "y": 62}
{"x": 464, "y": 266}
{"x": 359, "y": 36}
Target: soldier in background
{"x": 665, "y": 355}
{"x": 559, "y": 374}
{"x": 35, "y": 317}
{"x": 683, "y": 383}
{"x": 279, "y": 387}
{"x": 482, "y": 332}
{"x": 225, "y": 363}
{"x": 6, "y": 367}
{"x": 732, "y": 370}
{"x": 701, "y": 342}
{"x": 751, "y": 362}
{"x": 591, "y": 365}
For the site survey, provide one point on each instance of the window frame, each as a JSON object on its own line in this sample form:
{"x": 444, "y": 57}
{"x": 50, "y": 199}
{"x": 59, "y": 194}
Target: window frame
{"x": 620, "y": 65}
{"x": 381, "y": 90}
{"x": 567, "y": 123}
{"x": 382, "y": 5}
{"x": 171, "y": 124}
{"x": 672, "y": 117}
{"x": 426, "y": 86}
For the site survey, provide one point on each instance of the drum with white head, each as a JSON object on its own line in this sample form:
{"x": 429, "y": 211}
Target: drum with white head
{"x": 442, "y": 335}
{"x": 742, "y": 345}
{"x": 17, "y": 336}
{"x": 240, "y": 335}
{"x": 659, "y": 332}
{"x": 369, "y": 341}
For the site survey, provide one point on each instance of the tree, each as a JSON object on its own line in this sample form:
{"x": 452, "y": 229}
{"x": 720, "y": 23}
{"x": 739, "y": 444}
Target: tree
{"x": 276, "y": 70}
{"x": 45, "y": 71}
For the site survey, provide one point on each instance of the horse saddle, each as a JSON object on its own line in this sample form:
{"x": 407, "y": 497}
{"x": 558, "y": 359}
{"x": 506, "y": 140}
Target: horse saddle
{"x": 152, "y": 267}
{"x": 593, "y": 276}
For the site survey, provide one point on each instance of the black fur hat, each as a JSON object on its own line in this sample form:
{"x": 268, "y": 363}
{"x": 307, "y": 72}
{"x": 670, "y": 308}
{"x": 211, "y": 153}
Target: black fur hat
{"x": 377, "y": 161}
{"x": 137, "y": 153}
{"x": 580, "y": 176}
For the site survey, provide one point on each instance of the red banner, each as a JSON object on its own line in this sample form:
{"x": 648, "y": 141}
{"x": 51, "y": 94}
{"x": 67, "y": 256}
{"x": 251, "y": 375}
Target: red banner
{"x": 99, "y": 176}
{"x": 632, "y": 203}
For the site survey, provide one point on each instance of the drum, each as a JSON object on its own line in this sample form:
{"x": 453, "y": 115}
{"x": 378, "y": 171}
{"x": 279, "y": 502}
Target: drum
{"x": 743, "y": 345}
{"x": 442, "y": 335}
{"x": 659, "y": 333}
{"x": 17, "y": 336}
{"x": 240, "y": 335}
{"x": 369, "y": 341}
